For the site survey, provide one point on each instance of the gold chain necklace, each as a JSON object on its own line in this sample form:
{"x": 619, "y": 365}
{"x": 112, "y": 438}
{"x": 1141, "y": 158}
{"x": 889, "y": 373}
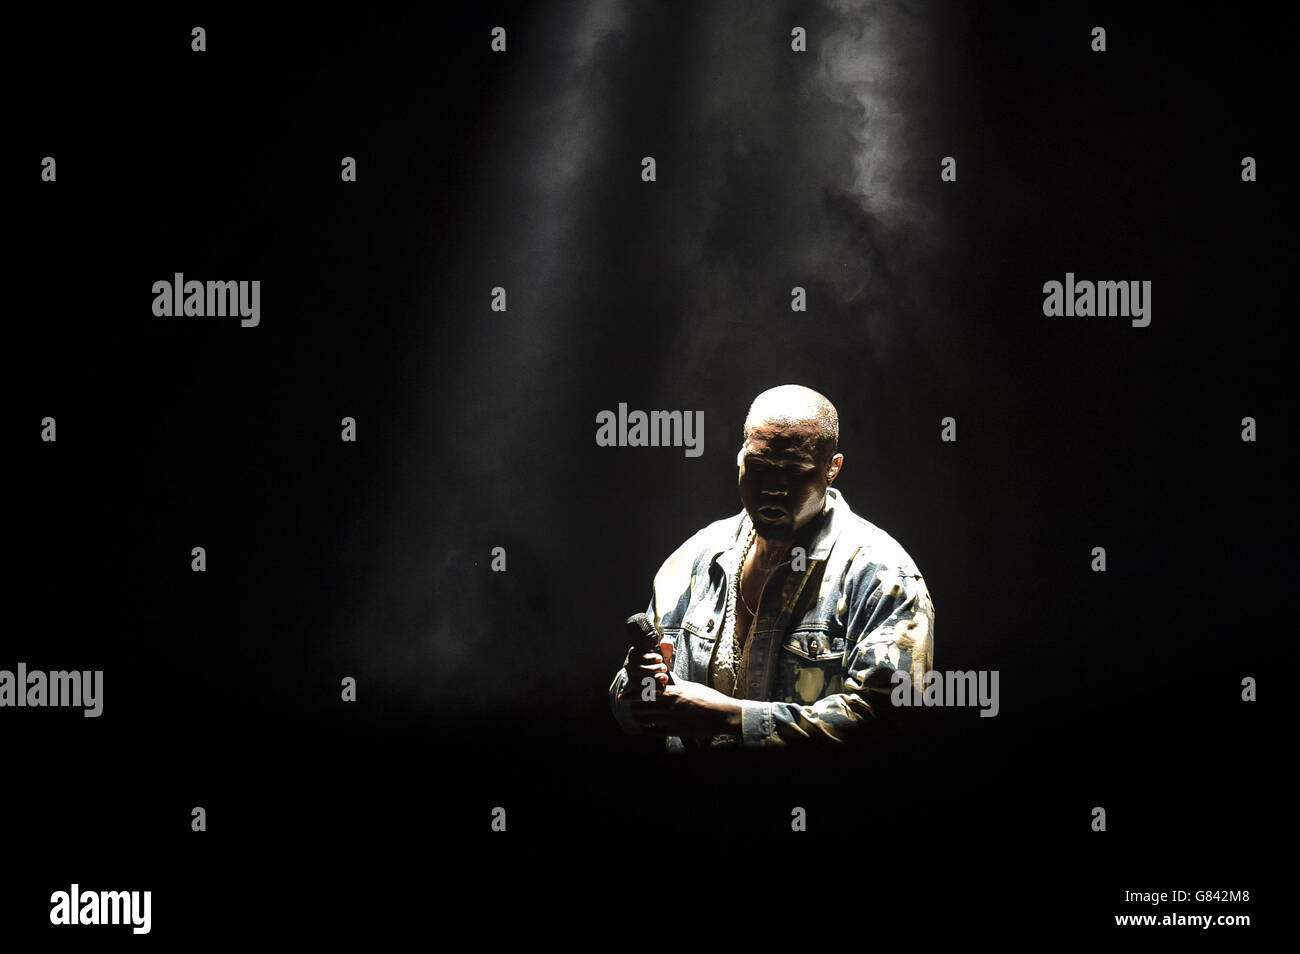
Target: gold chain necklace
{"x": 737, "y": 649}
{"x": 737, "y": 639}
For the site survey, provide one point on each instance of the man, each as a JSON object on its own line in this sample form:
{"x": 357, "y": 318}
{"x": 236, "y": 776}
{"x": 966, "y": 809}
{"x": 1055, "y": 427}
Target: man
{"x": 785, "y": 623}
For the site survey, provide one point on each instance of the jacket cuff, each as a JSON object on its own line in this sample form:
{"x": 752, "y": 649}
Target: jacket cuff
{"x": 757, "y": 725}
{"x": 621, "y": 710}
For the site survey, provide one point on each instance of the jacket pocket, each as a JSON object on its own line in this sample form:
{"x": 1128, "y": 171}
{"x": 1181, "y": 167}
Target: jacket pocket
{"x": 810, "y": 666}
{"x": 691, "y": 654}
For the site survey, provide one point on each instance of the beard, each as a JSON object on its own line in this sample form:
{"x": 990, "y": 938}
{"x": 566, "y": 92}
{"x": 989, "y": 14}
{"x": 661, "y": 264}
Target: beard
{"x": 773, "y": 530}
{"x": 781, "y": 528}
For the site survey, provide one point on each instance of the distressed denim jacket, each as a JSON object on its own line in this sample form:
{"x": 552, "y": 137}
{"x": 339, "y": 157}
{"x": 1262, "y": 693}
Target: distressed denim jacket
{"x": 826, "y": 639}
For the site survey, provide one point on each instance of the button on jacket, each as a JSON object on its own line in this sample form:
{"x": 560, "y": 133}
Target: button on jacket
{"x": 826, "y": 639}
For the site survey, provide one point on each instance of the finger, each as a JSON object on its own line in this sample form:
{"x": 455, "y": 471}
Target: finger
{"x": 666, "y": 648}
{"x": 660, "y": 724}
{"x": 635, "y": 684}
{"x": 664, "y": 696}
{"x": 641, "y": 709}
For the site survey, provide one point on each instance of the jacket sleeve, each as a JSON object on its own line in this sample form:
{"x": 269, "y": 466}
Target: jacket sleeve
{"x": 891, "y": 627}
{"x": 622, "y": 713}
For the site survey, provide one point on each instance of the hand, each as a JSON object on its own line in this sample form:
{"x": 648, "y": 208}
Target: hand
{"x": 687, "y": 708}
{"x": 639, "y": 665}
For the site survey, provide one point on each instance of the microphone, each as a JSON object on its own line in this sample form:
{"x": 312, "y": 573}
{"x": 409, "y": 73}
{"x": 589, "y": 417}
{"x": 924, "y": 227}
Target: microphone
{"x": 645, "y": 639}
{"x": 642, "y": 633}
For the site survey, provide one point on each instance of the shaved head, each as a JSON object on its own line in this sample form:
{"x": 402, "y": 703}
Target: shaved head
{"x": 793, "y": 405}
{"x": 788, "y": 460}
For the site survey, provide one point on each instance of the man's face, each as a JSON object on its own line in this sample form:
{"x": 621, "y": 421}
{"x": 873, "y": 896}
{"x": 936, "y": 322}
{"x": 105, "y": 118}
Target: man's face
{"x": 783, "y": 478}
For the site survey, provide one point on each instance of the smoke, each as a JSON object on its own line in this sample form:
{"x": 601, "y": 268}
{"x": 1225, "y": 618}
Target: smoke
{"x": 805, "y": 169}
{"x": 872, "y": 65}
{"x": 775, "y": 168}
{"x": 569, "y": 128}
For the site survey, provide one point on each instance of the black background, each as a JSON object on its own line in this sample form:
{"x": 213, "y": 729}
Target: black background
{"x": 478, "y": 689}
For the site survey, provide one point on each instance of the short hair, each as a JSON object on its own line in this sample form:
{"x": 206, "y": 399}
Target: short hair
{"x": 796, "y": 404}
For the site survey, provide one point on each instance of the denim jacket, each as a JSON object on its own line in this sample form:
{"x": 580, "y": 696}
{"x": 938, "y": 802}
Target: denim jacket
{"x": 826, "y": 639}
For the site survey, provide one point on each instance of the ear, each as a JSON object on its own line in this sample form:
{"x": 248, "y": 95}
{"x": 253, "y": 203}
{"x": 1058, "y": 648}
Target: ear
{"x": 836, "y": 463}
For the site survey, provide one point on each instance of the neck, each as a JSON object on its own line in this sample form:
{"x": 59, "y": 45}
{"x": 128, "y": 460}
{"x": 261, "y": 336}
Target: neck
{"x": 768, "y": 553}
